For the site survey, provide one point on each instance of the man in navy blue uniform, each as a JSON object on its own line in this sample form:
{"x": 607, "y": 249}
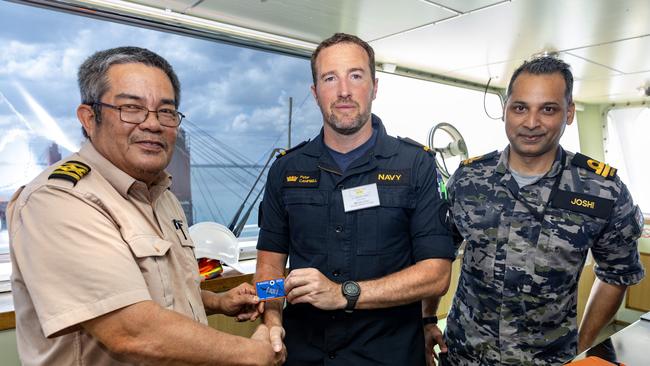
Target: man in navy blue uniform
{"x": 359, "y": 215}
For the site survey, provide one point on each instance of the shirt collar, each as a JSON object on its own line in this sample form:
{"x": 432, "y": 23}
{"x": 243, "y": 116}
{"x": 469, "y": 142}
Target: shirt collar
{"x": 383, "y": 146}
{"x": 117, "y": 178}
{"x": 560, "y": 160}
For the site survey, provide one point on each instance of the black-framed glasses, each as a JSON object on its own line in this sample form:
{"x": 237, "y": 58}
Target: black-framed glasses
{"x": 131, "y": 113}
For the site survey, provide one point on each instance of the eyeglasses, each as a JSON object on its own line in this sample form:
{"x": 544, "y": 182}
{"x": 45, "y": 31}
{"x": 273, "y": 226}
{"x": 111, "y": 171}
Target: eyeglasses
{"x": 131, "y": 113}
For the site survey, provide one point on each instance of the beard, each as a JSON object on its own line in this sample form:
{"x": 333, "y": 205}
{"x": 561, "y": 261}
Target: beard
{"x": 353, "y": 124}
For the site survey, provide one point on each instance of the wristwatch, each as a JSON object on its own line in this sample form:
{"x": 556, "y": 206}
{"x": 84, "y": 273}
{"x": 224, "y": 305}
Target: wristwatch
{"x": 430, "y": 320}
{"x": 351, "y": 291}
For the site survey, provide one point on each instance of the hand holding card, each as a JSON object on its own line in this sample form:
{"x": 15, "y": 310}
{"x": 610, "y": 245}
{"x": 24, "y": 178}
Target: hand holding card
{"x": 270, "y": 289}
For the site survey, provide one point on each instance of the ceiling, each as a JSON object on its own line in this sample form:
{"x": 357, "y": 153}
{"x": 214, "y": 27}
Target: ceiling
{"x": 606, "y": 42}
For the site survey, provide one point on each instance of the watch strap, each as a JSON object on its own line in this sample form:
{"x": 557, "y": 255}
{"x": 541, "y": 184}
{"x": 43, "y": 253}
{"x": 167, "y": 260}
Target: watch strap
{"x": 430, "y": 320}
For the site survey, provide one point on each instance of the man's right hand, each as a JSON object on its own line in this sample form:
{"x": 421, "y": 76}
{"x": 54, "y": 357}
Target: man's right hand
{"x": 263, "y": 334}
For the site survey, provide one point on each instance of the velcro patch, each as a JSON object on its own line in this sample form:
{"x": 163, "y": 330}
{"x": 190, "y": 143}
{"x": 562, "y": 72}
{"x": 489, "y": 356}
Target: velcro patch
{"x": 392, "y": 177}
{"x": 583, "y": 203}
{"x": 71, "y": 171}
{"x": 595, "y": 166}
{"x": 638, "y": 218}
{"x": 301, "y": 179}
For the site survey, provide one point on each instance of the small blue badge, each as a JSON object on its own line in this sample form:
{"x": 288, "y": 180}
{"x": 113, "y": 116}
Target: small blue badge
{"x": 271, "y": 289}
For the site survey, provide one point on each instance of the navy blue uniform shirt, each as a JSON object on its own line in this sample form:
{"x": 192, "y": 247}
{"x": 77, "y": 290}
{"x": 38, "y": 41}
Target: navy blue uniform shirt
{"x": 302, "y": 215}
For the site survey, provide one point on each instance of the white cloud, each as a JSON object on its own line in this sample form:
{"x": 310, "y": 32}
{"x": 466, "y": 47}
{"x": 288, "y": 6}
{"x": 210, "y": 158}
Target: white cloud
{"x": 26, "y": 61}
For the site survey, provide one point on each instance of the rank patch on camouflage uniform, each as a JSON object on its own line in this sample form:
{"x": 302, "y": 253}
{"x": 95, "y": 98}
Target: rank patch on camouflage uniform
{"x": 71, "y": 171}
{"x": 392, "y": 177}
{"x": 479, "y": 158}
{"x": 595, "y": 166}
{"x": 301, "y": 179}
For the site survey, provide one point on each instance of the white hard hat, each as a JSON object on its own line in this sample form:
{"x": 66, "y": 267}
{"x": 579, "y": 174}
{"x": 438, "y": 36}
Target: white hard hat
{"x": 213, "y": 240}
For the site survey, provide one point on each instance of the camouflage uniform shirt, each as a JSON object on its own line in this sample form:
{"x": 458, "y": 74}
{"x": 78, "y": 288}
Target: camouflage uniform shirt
{"x": 525, "y": 250}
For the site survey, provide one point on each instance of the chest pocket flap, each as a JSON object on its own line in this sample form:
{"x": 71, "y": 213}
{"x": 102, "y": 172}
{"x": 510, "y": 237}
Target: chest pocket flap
{"x": 396, "y": 197}
{"x": 184, "y": 238}
{"x": 150, "y": 246}
{"x": 297, "y": 197}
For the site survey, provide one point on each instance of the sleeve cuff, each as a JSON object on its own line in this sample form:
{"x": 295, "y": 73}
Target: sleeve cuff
{"x": 272, "y": 242}
{"x": 627, "y": 279}
{"x": 434, "y": 246}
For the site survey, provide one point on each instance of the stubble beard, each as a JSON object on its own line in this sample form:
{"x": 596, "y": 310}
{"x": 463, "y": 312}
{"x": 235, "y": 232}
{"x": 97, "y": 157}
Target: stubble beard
{"x": 350, "y": 128}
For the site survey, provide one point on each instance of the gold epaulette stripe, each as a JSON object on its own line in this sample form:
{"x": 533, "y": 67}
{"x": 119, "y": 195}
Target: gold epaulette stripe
{"x": 71, "y": 171}
{"x": 601, "y": 169}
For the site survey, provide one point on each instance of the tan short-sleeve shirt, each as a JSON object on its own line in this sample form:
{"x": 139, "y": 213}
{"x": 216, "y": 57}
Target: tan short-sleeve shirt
{"x": 81, "y": 250}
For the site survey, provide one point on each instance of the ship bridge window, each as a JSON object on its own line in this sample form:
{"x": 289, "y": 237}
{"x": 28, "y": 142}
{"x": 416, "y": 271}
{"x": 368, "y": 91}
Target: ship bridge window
{"x": 411, "y": 107}
{"x": 626, "y": 148}
{"x": 236, "y": 100}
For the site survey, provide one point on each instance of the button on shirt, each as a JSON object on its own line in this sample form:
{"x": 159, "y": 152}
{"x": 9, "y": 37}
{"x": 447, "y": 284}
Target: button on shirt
{"x": 517, "y": 293}
{"x": 82, "y": 250}
{"x": 302, "y": 215}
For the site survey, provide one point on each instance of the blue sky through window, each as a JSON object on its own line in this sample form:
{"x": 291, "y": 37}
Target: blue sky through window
{"x": 236, "y": 96}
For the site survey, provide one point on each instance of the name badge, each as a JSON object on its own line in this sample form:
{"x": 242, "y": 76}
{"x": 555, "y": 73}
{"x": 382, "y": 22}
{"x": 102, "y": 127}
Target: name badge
{"x": 271, "y": 289}
{"x": 360, "y": 197}
{"x": 583, "y": 203}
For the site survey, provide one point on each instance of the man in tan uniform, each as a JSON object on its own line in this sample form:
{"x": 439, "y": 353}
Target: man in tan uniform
{"x": 103, "y": 268}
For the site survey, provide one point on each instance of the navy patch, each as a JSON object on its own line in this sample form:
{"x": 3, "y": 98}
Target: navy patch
{"x": 301, "y": 179}
{"x": 285, "y": 152}
{"x": 391, "y": 177}
{"x": 479, "y": 158}
{"x": 583, "y": 203}
{"x": 602, "y": 169}
{"x": 71, "y": 171}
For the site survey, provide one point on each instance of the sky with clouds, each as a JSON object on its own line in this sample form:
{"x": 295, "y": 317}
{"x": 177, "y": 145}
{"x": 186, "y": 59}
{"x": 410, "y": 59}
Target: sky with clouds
{"x": 237, "y": 95}
{"x": 236, "y": 99}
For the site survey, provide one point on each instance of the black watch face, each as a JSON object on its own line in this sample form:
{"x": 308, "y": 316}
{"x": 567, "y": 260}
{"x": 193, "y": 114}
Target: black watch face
{"x": 351, "y": 289}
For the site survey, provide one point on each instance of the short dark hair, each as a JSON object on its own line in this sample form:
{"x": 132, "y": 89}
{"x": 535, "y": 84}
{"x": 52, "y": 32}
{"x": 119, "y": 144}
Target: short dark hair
{"x": 343, "y": 38}
{"x": 93, "y": 80}
{"x": 546, "y": 65}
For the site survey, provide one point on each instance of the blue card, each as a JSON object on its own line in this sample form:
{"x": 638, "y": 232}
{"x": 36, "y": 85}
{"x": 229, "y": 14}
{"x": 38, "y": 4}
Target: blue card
{"x": 271, "y": 289}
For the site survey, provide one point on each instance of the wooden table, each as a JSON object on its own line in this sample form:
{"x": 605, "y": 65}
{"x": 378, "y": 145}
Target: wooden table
{"x": 224, "y": 283}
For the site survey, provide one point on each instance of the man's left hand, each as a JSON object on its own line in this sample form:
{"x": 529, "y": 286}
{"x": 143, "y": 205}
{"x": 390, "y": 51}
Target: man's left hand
{"x": 240, "y": 302}
{"x": 433, "y": 336}
{"x": 308, "y": 285}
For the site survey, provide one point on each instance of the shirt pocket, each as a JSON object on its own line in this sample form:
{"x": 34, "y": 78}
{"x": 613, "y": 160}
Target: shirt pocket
{"x": 307, "y": 214}
{"x": 150, "y": 253}
{"x": 567, "y": 237}
{"x": 386, "y": 228}
{"x": 480, "y": 224}
{"x": 189, "y": 256}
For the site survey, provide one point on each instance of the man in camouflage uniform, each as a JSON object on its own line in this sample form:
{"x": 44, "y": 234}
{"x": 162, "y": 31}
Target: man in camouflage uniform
{"x": 529, "y": 215}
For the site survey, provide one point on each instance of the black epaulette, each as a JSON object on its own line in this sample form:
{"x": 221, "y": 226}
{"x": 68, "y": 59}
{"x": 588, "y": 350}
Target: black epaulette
{"x": 602, "y": 169}
{"x": 285, "y": 152}
{"x": 71, "y": 171}
{"x": 479, "y": 158}
{"x": 415, "y": 143}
